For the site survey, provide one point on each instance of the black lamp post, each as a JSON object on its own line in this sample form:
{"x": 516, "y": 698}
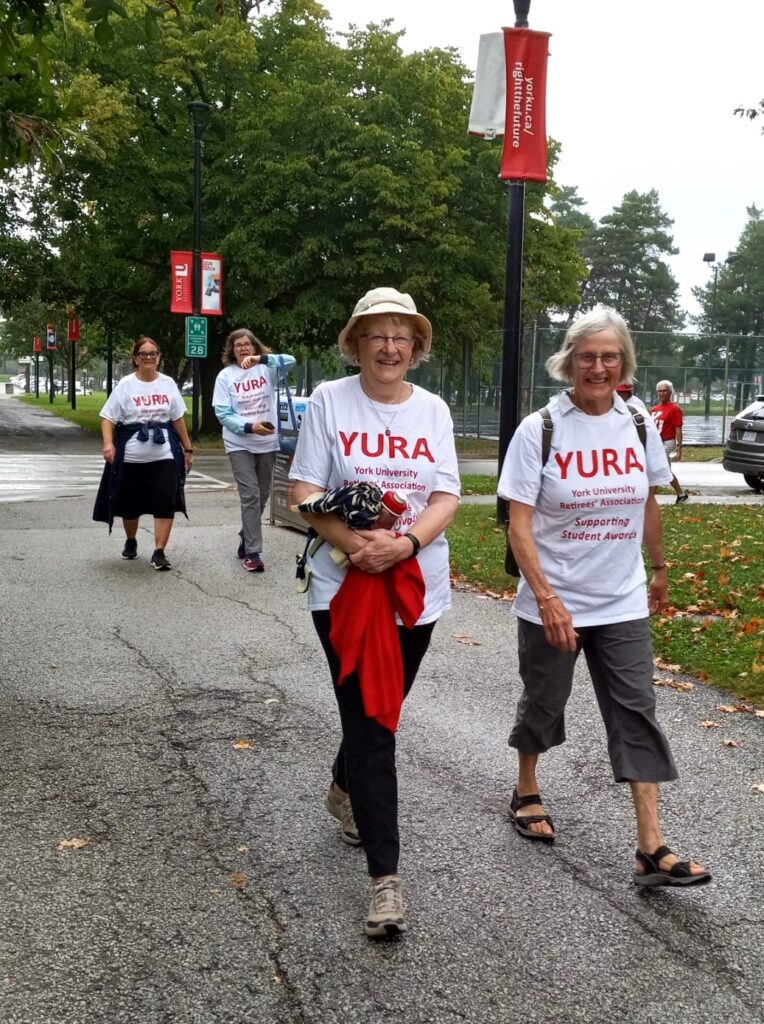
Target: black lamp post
{"x": 509, "y": 412}
{"x": 732, "y": 258}
{"x": 709, "y": 257}
{"x": 199, "y": 113}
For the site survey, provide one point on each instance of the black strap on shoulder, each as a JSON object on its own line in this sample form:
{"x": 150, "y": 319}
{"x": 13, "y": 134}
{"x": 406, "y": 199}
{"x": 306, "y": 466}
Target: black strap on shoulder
{"x": 547, "y": 429}
{"x": 639, "y": 422}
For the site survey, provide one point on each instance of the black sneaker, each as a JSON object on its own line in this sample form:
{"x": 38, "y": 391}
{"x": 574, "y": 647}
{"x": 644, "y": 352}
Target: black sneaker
{"x": 682, "y": 498}
{"x": 159, "y": 561}
{"x": 241, "y": 551}
{"x": 130, "y": 550}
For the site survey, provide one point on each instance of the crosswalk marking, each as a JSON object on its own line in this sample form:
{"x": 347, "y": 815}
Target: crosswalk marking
{"x": 38, "y": 477}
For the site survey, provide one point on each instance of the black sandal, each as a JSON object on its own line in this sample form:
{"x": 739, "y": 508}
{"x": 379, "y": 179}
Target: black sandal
{"x": 678, "y": 874}
{"x": 522, "y": 821}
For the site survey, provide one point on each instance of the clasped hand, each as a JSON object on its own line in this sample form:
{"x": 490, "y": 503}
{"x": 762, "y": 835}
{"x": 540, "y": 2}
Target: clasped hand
{"x": 381, "y": 551}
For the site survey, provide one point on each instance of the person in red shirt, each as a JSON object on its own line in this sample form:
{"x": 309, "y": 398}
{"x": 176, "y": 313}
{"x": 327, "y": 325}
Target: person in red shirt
{"x": 668, "y": 419}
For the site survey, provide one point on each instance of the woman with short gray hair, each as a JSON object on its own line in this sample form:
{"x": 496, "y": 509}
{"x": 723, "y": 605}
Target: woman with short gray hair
{"x": 578, "y": 520}
{"x": 668, "y": 418}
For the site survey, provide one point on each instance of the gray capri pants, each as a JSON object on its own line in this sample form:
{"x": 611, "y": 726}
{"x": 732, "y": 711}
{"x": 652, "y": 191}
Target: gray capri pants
{"x": 620, "y": 661}
{"x": 253, "y": 473}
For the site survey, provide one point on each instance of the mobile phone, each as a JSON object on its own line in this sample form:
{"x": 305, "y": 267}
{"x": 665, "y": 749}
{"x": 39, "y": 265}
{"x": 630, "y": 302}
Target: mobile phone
{"x": 267, "y": 424}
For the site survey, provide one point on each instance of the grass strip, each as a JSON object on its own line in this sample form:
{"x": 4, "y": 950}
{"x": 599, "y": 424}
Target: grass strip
{"x": 714, "y": 626}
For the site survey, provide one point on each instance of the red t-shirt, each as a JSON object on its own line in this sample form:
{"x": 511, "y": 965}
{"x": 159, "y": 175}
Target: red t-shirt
{"x": 668, "y": 418}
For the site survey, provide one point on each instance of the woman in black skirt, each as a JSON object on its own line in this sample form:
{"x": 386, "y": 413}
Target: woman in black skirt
{"x": 148, "y": 453}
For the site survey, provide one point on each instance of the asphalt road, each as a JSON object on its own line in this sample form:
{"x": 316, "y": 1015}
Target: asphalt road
{"x": 215, "y": 888}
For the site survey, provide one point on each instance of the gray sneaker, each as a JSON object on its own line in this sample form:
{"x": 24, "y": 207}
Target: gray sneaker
{"x": 386, "y": 909}
{"x": 339, "y": 807}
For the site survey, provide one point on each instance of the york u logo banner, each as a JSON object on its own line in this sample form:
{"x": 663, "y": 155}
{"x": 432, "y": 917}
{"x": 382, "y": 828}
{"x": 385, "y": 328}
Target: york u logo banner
{"x": 509, "y": 99}
{"x": 180, "y": 283}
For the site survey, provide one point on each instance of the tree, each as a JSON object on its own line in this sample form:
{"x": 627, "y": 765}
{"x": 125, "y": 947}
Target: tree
{"x": 328, "y": 169}
{"x": 751, "y": 112}
{"x": 627, "y": 267}
{"x": 35, "y": 121}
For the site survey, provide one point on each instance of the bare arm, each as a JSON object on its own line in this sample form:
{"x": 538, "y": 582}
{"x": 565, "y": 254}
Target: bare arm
{"x": 107, "y": 434}
{"x": 657, "y": 595}
{"x": 558, "y": 625}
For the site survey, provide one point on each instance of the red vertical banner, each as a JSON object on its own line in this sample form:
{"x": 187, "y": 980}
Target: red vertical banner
{"x": 181, "y": 264}
{"x": 73, "y": 330}
{"x": 524, "y": 154}
{"x": 37, "y": 344}
{"x": 211, "y": 298}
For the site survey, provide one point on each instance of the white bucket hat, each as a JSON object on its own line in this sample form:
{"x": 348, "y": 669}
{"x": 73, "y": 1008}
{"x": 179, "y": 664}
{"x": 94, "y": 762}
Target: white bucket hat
{"x": 379, "y": 301}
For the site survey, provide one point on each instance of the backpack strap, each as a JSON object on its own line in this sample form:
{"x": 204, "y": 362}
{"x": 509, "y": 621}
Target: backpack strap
{"x": 639, "y": 422}
{"x": 547, "y": 429}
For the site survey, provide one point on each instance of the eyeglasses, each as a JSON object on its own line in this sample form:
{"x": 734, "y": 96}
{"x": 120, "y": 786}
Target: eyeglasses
{"x": 148, "y": 355}
{"x": 378, "y": 340}
{"x": 242, "y": 344}
{"x": 588, "y": 359}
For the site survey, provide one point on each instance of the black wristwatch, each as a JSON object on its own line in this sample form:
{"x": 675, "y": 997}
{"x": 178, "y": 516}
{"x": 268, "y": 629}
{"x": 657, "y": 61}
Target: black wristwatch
{"x": 189, "y": 450}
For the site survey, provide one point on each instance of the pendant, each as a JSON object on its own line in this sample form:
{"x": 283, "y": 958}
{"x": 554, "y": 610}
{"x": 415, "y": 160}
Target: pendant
{"x": 387, "y": 431}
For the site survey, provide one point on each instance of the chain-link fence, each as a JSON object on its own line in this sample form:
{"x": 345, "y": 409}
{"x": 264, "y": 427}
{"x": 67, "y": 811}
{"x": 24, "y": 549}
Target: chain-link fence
{"x": 714, "y": 376}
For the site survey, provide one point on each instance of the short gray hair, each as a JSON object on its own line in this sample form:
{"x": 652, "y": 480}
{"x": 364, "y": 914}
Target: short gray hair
{"x": 666, "y": 384}
{"x": 560, "y": 365}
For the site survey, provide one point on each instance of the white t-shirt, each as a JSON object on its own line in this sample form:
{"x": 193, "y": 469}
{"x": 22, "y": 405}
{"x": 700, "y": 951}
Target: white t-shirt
{"x": 248, "y": 396}
{"x": 589, "y": 503}
{"x": 636, "y": 402}
{"x": 343, "y": 440}
{"x": 138, "y": 401}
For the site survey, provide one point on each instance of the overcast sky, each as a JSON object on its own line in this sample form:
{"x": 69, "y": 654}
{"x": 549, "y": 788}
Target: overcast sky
{"x": 640, "y": 94}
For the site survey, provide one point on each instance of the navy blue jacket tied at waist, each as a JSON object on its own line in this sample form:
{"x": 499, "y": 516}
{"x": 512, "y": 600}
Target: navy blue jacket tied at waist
{"x": 111, "y": 480}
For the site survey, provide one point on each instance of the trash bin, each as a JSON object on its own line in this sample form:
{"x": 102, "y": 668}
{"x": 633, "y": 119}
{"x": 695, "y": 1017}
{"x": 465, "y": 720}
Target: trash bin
{"x": 8, "y": 388}
{"x": 281, "y": 514}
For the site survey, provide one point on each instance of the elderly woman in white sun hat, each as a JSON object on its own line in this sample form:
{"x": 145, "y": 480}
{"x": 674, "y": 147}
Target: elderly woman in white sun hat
{"x": 377, "y": 426}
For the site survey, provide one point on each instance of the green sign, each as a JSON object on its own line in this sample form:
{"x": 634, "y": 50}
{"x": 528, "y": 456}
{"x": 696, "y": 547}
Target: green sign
{"x": 196, "y": 337}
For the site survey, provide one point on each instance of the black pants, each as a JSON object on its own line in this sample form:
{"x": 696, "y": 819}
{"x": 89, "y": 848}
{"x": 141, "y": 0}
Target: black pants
{"x": 365, "y": 763}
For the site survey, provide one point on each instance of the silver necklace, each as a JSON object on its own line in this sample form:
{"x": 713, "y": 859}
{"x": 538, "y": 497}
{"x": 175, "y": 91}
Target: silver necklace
{"x": 387, "y": 425}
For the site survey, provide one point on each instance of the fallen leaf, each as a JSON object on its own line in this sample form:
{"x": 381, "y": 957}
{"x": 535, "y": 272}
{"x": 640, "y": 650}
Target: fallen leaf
{"x": 730, "y": 743}
{"x": 242, "y": 848}
{"x": 214, "y": 892}
{"x": 708, "y": 724}
{"x": 673, "y": 684}
{"x": 238, "y": 880}
{"x": 759, "y": 714}
{"x": 757, "y": 667}
{"x": 277, "y": 978}
{"x": 242, "y": 745}
{"x": 271, "y": 700}
{"x": 73, "y": 844}
{"x": 758, "y": 786}
{"x": 660, "y": 663}
{"x": 464, "y": 639}
{"x": 727, "y": 709}
{"x": 753, "y": 625}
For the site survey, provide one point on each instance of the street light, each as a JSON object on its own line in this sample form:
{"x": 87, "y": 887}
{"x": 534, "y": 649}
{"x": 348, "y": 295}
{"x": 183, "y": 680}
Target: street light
{"x": 199, "y": 113}
{"x": 709, "y": 257}
{"x": 733, "y": 256}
